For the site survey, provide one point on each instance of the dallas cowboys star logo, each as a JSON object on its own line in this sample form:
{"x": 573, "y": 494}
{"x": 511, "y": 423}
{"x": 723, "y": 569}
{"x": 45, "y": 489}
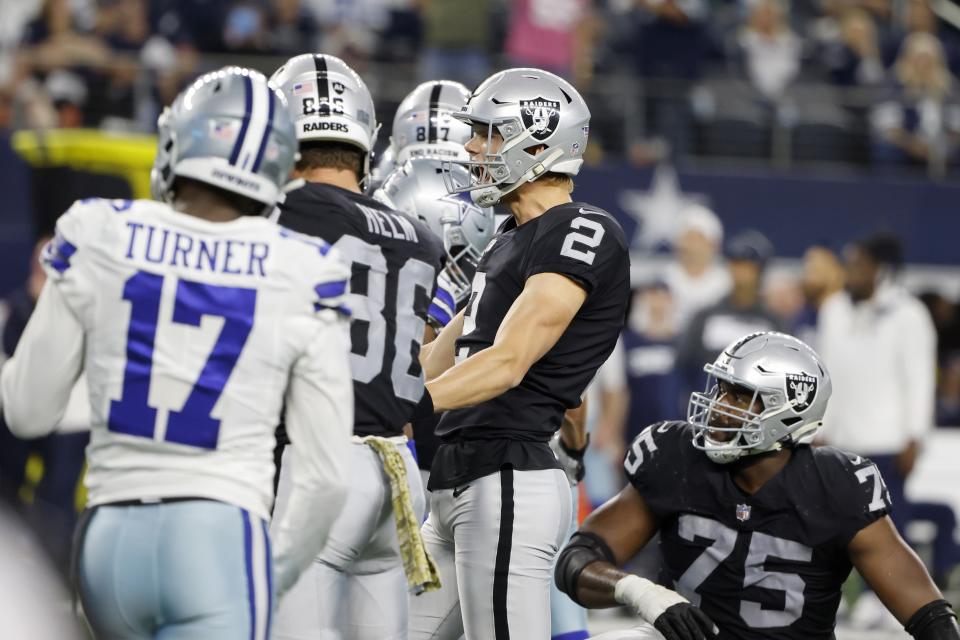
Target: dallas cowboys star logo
{"x": 656, "y": 210}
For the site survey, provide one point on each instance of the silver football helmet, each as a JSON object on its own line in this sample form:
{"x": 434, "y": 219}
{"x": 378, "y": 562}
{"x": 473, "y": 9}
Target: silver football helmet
{"x": 229, "y": 129}
{"x": 531, "y": 109}
{"x": 424, "y": 126}
{"x": 384, "y": 166}
{"x": 418, "y": 188}
{"x": 328, "y": 102}
{"x": 784, "y": 374}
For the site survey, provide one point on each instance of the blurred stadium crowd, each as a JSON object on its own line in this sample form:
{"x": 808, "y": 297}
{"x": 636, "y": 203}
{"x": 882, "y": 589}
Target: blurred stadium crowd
{"x": 861, "y": 82}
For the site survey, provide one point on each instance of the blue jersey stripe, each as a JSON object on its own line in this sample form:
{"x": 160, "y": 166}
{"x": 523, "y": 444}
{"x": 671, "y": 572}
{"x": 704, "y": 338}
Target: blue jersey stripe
{"x": 446, "y": 297}
{"x": 439, "y": 314}
{"x": 247, "y": 108}
{"x": 331, "y": 289}
{"x": 58, "y": 253}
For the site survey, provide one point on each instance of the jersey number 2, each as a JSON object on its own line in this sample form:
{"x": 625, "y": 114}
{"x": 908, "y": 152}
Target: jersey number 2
{"x": 192, "y": 425}
{"x": 591, "y": 241}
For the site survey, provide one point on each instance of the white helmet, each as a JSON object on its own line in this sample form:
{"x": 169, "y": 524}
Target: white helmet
{"x": 328, "y": 102}
{"x": 530, "y": 108}
{"x": 424, "y": 126}
{"x": 229, "y": 129}
{"x": 418, "y": 188}
{"x": 784, "y": 374}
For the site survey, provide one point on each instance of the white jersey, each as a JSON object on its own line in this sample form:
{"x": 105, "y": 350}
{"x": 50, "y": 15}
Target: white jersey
{"x": 191, "y": 332}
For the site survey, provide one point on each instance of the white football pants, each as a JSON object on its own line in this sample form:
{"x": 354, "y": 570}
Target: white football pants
{"x": 494, "y": 541}
{"x": 356, "y": 589}
{"x": 642, "y": 631}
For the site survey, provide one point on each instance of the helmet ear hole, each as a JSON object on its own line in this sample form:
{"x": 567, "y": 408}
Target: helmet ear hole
{"x": 535, "y": 149}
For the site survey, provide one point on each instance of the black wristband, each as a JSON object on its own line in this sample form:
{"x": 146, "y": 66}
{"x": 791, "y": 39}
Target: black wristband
{"x": 576, "y": 454}
{"x": 424, "y": 408}
{"x": 934, "y": 621}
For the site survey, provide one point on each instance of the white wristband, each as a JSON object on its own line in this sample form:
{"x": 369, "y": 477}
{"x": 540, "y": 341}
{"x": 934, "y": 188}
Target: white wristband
{"x": 647, "y": 599}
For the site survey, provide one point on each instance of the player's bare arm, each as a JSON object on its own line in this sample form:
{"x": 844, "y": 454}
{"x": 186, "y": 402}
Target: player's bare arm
{"x": 588, "y": 569}
{"x": 535, "y": 322}
{"x": 573, "y": 430}
{"x": 625, "y": 525}
{"x": 36, "y": 394}
{"x": 570, "y": 442}
{"x": 437, "y": 355}
{"x": 898, "y": 577}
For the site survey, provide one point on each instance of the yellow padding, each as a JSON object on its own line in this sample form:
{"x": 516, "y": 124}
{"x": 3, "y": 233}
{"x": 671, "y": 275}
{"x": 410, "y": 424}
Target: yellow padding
{"x": 421, "y": 570}
{"x": 126, "y": 155}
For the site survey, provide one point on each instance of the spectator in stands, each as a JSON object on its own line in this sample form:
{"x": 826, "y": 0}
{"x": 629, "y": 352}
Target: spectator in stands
{"x": 822, "y": 278}
{"x": 608, "y": 400}
{"x": 879, "y": 343}
{"x": 293, "y": 29}
{"x": 55, "y": 40}
{"x": 457, "y": 39}
{"x": 917, "y": 16}
{"x": 671, "y": 44}
{"x": 783, "y": 296}
{"x": 919, "y": 121}
{"x": 245, "y": 29}
{"x": 552, "y": 35}
{"x": 946, "y": 318}
{"x": 948, "y": 393}
{"x": 738, "y": 314}
{"x": 695, "y": 277}
{"x": 650, "y": 347}
{"x": 854, "y": 59}
{"x": 768, "y": 51}
{"x": 68, "y": 95}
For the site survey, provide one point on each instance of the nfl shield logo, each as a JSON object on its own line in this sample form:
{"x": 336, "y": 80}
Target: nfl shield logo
{"x": 743, "y": 512}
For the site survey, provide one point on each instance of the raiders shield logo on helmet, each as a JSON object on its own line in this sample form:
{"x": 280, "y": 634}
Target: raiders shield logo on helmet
{"x": 801, "y": 390}
{"x": 540, "y": 114}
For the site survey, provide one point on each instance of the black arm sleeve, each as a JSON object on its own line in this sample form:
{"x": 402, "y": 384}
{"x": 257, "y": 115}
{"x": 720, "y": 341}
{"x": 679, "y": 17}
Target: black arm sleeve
{"x": 583, "y": 549}
{"x": 934, "y": 621}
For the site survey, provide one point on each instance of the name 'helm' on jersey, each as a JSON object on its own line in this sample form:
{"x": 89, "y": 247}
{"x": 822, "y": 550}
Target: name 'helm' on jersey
{"x": 787, "y": 377}
{"x": 419, "y": 189}
{"x": 424, "y": 126}
{"x": 544, "y": 123}
{"x": 229, "y": 129}
{"x": 329, "y": 102}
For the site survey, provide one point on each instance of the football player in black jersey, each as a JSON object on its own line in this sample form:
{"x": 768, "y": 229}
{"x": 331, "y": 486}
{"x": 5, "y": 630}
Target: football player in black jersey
{"x": 547, "y": 304}
{"x": 757, "y": 528}
{"x": 357, "y": 588}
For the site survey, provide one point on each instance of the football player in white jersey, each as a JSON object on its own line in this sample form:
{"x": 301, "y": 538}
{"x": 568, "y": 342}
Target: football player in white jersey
{"x": 196, "y": 319}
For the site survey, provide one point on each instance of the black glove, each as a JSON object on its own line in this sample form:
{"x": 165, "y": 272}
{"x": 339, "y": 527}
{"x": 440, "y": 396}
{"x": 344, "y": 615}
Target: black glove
{"x": 683, "y": 621}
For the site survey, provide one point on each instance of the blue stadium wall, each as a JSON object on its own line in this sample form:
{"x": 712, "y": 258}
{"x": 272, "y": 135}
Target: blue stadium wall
{"x": 793, "y": 210}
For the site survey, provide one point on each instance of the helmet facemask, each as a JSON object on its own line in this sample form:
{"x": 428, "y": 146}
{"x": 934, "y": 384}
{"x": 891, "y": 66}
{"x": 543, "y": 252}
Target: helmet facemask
{"x": 706, "y": 406}
{"x": 493, "y": 176}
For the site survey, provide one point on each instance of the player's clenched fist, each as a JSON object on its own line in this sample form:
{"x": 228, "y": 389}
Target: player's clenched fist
{"x": 669, "y": 612}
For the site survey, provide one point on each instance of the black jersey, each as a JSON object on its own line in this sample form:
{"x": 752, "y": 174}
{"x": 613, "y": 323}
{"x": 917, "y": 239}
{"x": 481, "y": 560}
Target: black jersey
{"x": 395, "y": 261}
{"x": 584, "y": 244}
{"x": 766, "y": 565}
